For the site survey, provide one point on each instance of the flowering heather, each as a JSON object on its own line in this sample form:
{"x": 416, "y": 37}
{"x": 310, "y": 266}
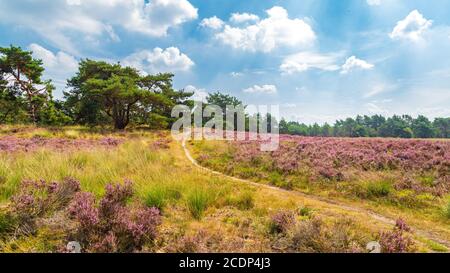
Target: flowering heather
{"x": 12, "y": 144}
{"x": 282, "y": 221}
{"x": 333, "y": 158}
{"x": 83, "y": 209}
{"x": 36, "y": 198}
{"x": 161, "y": 144}
{"x": 112, "y": 226}
{"x": 396, "y": 241}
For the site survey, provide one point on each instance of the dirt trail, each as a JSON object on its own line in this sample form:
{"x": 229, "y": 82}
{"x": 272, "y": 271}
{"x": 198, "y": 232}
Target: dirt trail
{"x": 383, "y": 219}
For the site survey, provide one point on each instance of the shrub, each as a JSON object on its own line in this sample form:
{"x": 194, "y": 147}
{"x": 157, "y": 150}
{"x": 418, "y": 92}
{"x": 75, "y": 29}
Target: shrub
{"x": 197, "y": 202}
{"x": 314, "y": 236}
{"x": 189, "y": 243}
{"x": 378, "y": 189}
{"x": 396, "y": 241}
{"x": 282, "y": 221}
{"x": 36, "y": 198}
{"x": 307, "y": 236}
{"x": 112, "y": 226}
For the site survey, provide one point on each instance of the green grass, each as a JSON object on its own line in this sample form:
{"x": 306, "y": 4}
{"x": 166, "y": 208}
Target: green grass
{"x": 242, "y": 201}
{"x": 305, "y": 211}
{"x": 378, "y": 189}
{"x": 447, "y": 210}
{"x": 160, "y": 196}
{"x": 7, "y": 224}
{"x": 198, "y": 201}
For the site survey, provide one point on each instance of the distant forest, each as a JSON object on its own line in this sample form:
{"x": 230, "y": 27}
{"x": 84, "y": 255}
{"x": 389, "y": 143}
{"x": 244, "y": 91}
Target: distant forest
{"x": 373, "y": 126}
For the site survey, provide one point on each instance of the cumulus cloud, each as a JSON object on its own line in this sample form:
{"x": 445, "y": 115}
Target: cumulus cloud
{"x": 353, "y": 63}
{"x": 304, "y": 61}
{"x": 213, "y": 23}
{"x": 58, "y": 66}
{"x": 159, "y": 60}
{"x": 275, "y": 31}
{"x": 374, "y": 2}
{"x": 239, "y": 18}
{"x": 57, "y": 20}
{"x": 263, "y": 89}
{"x": 412, "y": 27}
{"x": 200, "y": 94}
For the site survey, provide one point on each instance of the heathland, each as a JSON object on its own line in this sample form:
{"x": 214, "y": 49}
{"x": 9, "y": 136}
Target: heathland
{"x": 137, "y": 191}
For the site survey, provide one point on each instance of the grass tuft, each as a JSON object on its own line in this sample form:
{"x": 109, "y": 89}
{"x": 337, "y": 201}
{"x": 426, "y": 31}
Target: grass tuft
{"x": 447, "y": 210}
{"x": 197, "y": 202}
{"x": 378, "y": 189}
{"x": 243, "y": 201}
{"x": 160, "y": 196}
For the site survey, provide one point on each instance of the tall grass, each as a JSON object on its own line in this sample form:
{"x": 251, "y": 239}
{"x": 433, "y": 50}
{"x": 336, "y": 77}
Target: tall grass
{"x": 378, "y": 189}
{"x": 160, "y": 196}
{"x": 197, "y": 202}
{"x": 447, "y": 210}
{"x": 158, "y": 178}
{"x": 242, "y": 201}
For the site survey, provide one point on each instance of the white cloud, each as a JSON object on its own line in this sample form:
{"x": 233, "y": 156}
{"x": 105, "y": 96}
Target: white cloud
{"x": 236, "y": 74}
{"x": 264, "y": 89}
{"x": 213, "y": 23}
{"x": 199, "y": 94}
{"x": 374, "y": 2}
{"x": 159, "y": 60}
{"x": 59, "y": 21}
{"x": 375, "y": 109}
{"x": 355, "y": 63}
{"x": 58, "y": 67}
{"x": 304, "y": 61}
{"x": 412, "y": 27}
{"x": 239, "y": 18}
{"x": 378, "y": 89}
{"x": 275, "y": 31}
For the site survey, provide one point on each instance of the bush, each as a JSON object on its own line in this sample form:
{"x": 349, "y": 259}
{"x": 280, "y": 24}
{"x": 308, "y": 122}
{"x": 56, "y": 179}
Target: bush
{"x": 282, "y": 221}
{"x": 378, "y": 189}
{"x": 397, "y": 241}
{"x": 197, "y": 203}
{"x": 37, "y": 198}
{"x": 314, "y": 236}
{"x": 112, "y": 226}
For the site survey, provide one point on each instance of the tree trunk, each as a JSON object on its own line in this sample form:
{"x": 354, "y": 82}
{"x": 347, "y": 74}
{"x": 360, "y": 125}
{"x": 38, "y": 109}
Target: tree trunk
{"x": 120, "y": 124}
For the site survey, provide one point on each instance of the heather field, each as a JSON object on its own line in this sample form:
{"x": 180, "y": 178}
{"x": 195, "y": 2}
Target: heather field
{"x": 408, "y": 179}
{"x": 136, "y": 191}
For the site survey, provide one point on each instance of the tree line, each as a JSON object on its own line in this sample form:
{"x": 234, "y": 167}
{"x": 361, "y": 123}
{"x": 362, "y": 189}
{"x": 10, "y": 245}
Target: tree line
{"x": 105, "y": 94}
{"x": 396, "y": 126}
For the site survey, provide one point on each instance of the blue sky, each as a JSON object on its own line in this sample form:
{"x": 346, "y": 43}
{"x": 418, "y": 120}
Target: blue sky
{"x": 320, "y": 60}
